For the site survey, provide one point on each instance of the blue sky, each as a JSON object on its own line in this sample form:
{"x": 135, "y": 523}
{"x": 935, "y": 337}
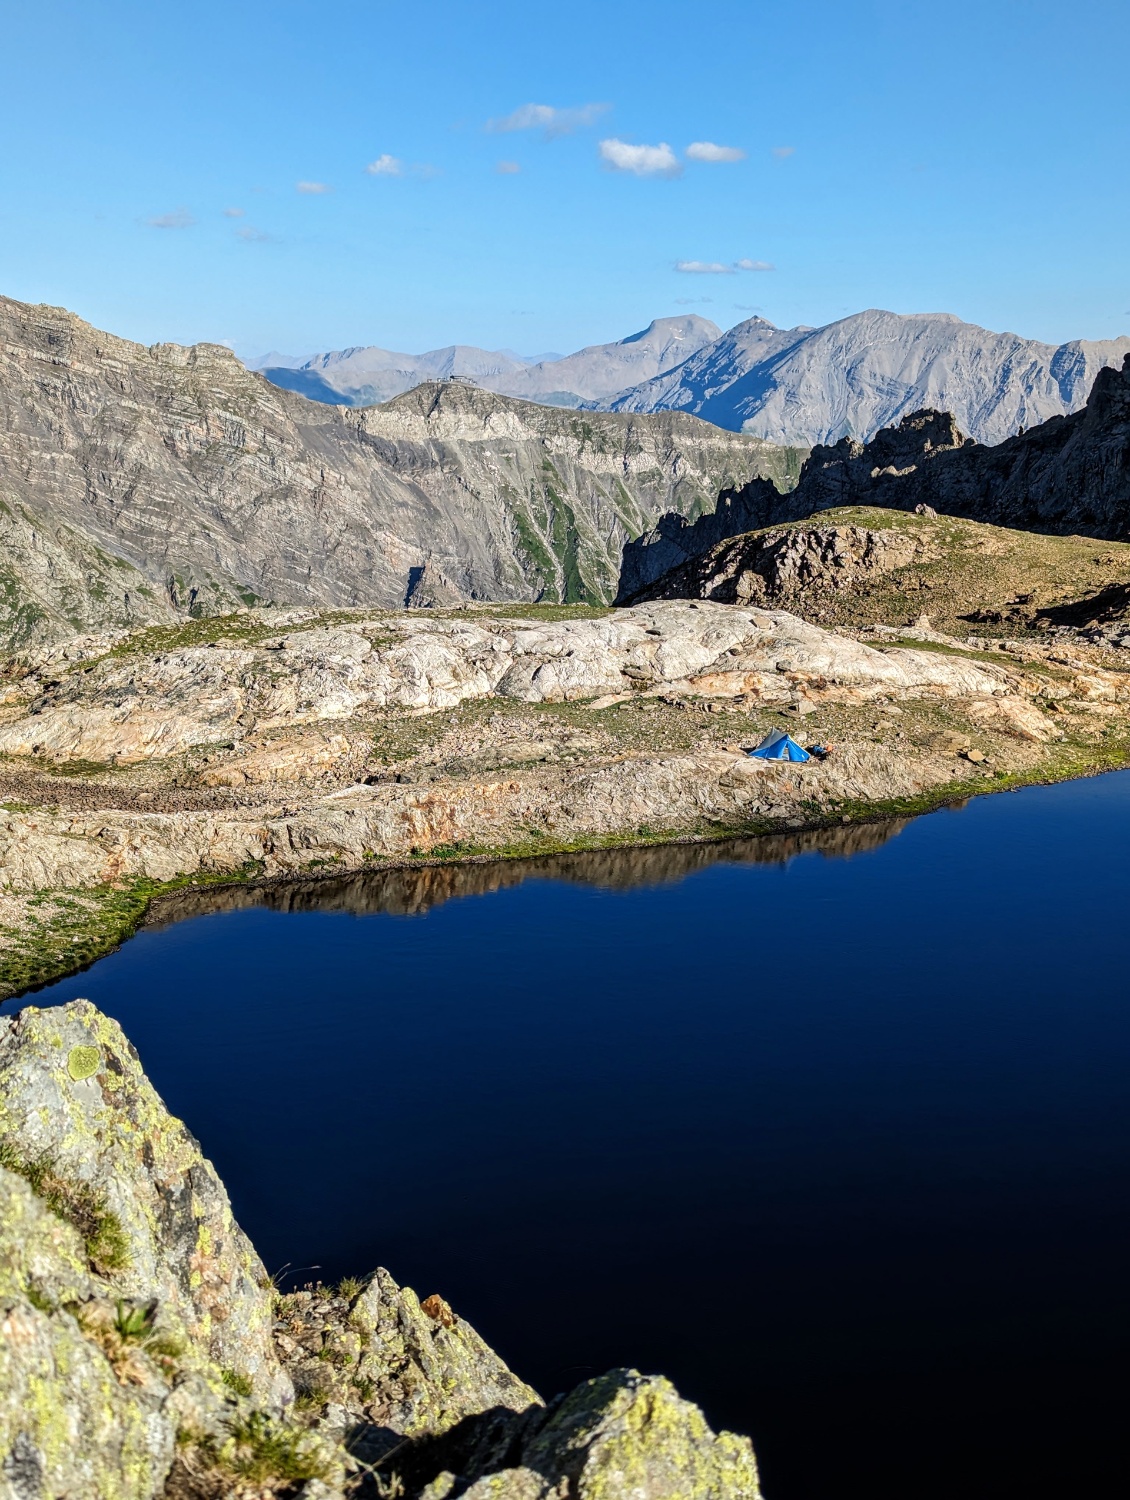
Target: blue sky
{"x": 200, "y": 172}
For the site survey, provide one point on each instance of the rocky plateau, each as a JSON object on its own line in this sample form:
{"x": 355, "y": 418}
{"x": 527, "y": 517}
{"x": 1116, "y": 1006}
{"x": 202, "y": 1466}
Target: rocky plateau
{"x": 285, "y": 743}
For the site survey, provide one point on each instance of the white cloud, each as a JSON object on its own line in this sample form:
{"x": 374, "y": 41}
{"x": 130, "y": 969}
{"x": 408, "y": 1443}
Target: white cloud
{"x": 643, "y": 161}
{"x": 386, "y": 166}
{"x": 721, "y": 268}
{"x": 704, "y": 267}
{"x": 708, "y": 151}
{"x": 233, "y": 213}
{"x": 549, "y": 119}
{"x": 252, "y": 235}
{"x": 312, "y": 187}
{"x": 691, "y": 301}
{"x": 508, "y": 168}
{"x": 782, "y": 151}
{"x": 180, "y": 218}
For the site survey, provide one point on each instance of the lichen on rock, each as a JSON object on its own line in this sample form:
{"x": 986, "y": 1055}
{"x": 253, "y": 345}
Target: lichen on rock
{"x": 169, "y": 1375}
{"x": 109, "y": 1137}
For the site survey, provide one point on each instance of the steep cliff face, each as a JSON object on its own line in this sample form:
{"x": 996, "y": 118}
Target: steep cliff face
{"x": 855, "y": 376}
{"x": 141, "y": 484}
{"x": 144, "y": 1354}
{"x": 1069, "y": 475}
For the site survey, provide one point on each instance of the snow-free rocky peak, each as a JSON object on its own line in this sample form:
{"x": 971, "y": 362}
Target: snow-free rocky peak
{"x": 852, "y": 377}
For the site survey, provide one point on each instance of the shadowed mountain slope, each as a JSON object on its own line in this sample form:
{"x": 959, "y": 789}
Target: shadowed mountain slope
{"x": 1069, "y": 475}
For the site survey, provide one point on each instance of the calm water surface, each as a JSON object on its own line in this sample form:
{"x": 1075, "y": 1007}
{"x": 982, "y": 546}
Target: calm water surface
{"x": 836, "y": 1134}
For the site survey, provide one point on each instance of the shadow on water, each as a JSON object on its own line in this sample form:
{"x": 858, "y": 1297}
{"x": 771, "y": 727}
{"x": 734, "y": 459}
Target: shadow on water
{"x": 411, "y": 892}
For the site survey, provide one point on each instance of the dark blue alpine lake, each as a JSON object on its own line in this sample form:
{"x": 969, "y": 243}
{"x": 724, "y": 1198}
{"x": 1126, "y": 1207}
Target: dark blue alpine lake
{"x": 834, "y": 1130}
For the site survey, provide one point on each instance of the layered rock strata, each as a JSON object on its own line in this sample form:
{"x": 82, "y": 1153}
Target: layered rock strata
{"x": 146, "y": 484}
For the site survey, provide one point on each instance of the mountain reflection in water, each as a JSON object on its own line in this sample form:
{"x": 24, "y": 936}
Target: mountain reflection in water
{"x": 831, "y": 1128}
{"x": 411, "y": 892}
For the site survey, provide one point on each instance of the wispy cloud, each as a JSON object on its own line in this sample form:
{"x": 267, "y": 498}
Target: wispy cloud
{"x": 508, "y": 168}
{"x": 781, "y": 152}
{"x": 180, "y": 218}
{"x": 312, "y": 187}
{"x": 233, "y": 213}
{"x": 549, "y": 119}
{"x": 691, "y": 301}
{"x": 704, "y": 267}
{"x": 708, "y": 151}
{"x": 721, "y": 268}
{"x": 387, "y": 165}
{"x": 642, "y": 161}
{"x": 254, "y": 236}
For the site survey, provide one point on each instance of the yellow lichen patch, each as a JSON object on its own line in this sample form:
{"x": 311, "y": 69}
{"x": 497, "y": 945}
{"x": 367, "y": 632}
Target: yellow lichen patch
{"x": 83, "y": 1062}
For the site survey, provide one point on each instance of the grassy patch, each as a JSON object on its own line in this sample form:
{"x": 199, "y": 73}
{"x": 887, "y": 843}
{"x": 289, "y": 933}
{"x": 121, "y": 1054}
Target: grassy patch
{"x": 77, "y": 1204}
{"x": 65, "y": 931}
{"x": 237, "y": 1382}
{"x": 262, "y": 1452}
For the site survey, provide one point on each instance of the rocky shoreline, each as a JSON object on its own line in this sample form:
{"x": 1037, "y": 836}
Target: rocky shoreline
{"x": 283, "y": 747}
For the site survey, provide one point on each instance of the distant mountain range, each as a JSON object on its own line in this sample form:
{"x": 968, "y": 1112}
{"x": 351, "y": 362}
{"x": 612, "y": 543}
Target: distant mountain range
{"x": 790, "y": 385}
{"x": 368, "y": 376}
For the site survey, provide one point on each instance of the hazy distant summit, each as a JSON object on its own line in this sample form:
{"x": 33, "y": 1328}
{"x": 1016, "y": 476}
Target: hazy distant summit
{"x": 368, "y": 376}
{"x": 791, "y": 385}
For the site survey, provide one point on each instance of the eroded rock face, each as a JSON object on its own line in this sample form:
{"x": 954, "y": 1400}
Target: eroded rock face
{"x": 1070, "y": 474}
{"x": 789, "y": 566}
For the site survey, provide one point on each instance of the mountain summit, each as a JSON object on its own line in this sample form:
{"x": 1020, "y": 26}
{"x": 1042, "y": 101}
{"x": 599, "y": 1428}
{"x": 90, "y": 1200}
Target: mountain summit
{"x": 369, "y": 375}
{"x": 849, "y": 379}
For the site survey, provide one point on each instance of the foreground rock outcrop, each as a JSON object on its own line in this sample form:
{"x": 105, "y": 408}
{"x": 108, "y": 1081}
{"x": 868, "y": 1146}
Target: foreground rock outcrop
{"x": 144, "y": 1352}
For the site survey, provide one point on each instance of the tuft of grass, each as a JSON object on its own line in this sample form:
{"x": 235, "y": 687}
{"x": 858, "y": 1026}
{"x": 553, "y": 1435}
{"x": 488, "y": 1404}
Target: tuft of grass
{"x": 260, "y": 1451}
{"x": 124, "y": 1333}
{"x": 77, "y": 1204}
{"x": 39, "y": 1298}
{"x": 237, "y": 1382}
{"x": 350, "y": 1287}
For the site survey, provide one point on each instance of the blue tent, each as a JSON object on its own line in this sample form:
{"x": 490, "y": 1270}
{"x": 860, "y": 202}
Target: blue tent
{"x": 780, "y": 745}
